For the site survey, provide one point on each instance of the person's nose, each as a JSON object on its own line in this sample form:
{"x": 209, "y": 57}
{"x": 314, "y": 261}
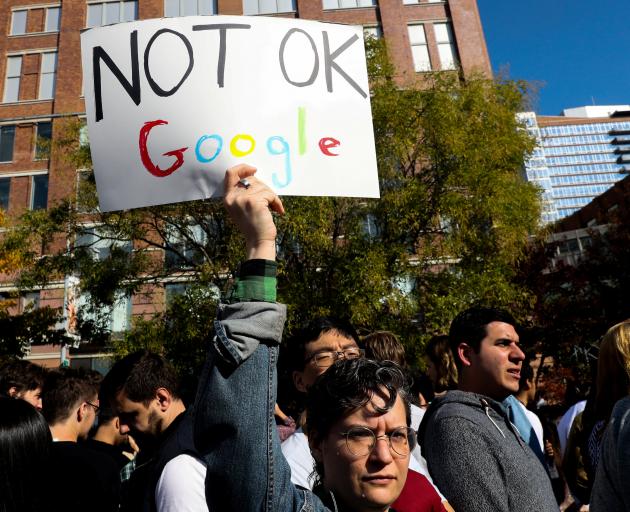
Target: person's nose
{"x": 382, "y": 451}
{"x": 517, "y": 354}
{"x": 123, "y": 429}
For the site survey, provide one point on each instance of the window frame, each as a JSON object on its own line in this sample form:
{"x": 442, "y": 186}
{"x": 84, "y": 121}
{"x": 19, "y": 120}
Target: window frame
{"x": 14, "y": 76}
{"x": 424, "y": 44}
{"x": 121, "y": 12}
{"x": 444, "y": 43}
{"x": 374, "y": 3}
{"x": 26, "y": 8}
{"x": 6, "y": 179}
{"x": 42, "y": 153}
{"x": 181, "y": 4}
{"x": 3, "y": 128}
{"x": 256, "y": 12}
{"x": 31, "y": 202}
{"x": 47, "y": 73}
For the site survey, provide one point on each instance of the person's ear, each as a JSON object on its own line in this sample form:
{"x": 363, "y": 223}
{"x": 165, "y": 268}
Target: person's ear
{"x": 12, "y": 392}
{"x": 117, "y": 423}
{"x": 464, "y": 352}
{"x": 81, "y": 412}
{"x": 316, "y": 449}
{"x": 298, "y": 381}
{"x": 164, "y": 398}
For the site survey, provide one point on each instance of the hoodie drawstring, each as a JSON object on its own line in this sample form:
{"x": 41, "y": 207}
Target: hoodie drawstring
{"x": 486, "y": 407}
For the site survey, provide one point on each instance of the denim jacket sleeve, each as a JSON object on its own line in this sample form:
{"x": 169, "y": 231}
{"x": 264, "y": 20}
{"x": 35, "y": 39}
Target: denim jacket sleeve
{"x": 234, "y": 426}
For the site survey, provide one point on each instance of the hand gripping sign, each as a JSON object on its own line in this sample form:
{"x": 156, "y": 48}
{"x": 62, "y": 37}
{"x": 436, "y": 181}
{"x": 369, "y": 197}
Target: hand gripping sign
{"x": 172, "y": 103}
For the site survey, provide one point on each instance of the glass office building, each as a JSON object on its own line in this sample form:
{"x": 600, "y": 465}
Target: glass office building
{"x": 578, "y": 156}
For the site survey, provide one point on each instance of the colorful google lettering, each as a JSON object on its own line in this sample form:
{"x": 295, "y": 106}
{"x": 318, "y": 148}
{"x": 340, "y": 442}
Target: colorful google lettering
{"x": 209, "y": 147}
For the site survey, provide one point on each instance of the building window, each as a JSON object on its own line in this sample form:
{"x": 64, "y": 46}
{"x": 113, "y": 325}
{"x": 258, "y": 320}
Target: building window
{"x": 375, "y": 32}
{"x": 173, "y": 8}
{"x": 49, "y": 17}
{"x": 48, "y": 72}
{"x": 100, "y": 243}
{"x": 446, "y": 47}
{"x": 348, "y": 4}
{"x": 29, "y": 301}
{"x": 53, "y": 15}
{"x": 106, "y": 13}
{"x": 43, "y": 136}
{"x": 419, "y": 48}
{"x": 7, "y": 136}
{"x": 12, "y": 82}
{"x": 39, "y": 192}
{"x": 5, "y": 192}
{"x": 18, "y": 23}
{"x": 183, "y": 246}
{"x": 268, "y": 6}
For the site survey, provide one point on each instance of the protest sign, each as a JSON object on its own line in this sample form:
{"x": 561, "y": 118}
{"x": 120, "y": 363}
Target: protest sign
{"x": 172, "y": 103}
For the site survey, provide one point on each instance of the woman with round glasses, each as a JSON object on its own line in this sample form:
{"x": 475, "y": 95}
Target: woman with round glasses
{"x": 357, "y": 420}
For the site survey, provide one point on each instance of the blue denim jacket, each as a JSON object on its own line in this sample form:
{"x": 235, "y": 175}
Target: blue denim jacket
{"x": 233, "y": 414}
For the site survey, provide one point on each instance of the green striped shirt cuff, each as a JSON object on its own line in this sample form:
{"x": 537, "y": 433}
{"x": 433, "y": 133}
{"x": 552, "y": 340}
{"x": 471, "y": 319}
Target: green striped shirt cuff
{"x": 256, "y": 282}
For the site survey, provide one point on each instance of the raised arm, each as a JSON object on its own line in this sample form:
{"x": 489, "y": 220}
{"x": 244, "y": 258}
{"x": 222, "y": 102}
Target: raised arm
{"x": 234, "y": 425}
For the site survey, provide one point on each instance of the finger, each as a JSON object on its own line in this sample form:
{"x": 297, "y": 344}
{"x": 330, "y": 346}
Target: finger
{"x": 273, "y": 201}
{"x": 233, "y": 174}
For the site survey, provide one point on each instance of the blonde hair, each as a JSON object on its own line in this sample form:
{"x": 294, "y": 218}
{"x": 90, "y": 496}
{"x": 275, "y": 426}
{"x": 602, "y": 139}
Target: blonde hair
{"x": 613, "y": 369}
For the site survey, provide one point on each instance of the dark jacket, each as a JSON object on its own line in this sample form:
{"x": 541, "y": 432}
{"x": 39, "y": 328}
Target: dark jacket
{"x": 478, "y": 460}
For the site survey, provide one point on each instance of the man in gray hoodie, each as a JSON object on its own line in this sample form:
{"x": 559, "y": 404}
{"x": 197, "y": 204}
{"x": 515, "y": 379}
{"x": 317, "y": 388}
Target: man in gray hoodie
{"x": 475, "y": 455}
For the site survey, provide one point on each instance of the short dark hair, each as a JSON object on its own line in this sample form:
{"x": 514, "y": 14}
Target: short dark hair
{"x": 64, "y": 388}
{"x": 384, "y": 346}
{"x": 25, "y": 441}
{"x": 469, "y": 327}
{"x": 527, "y": 372}
{"x": 347, "y": 385}
{"x": 21, "y": 375}
{"x": 140, "y": 375}
{"x": 296, "y": 344}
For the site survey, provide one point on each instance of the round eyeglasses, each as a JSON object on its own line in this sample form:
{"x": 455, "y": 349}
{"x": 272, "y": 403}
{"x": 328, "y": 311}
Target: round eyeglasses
{"x": 361, "y": 440}
{"x": 326, "y": 359}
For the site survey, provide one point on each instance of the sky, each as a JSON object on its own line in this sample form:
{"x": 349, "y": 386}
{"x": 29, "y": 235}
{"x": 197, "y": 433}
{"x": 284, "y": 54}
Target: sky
{"x": 577, "y": 51}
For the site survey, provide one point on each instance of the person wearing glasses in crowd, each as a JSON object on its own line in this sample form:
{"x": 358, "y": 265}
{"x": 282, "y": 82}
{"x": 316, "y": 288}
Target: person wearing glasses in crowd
{"x": 357, "y": 411}
{"x": 89, "y": 478}
{"x": 310, "y": 352}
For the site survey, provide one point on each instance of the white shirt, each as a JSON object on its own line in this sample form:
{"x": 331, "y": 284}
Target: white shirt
{"x": 534, "y": 420}
{"x": 181, "y": 487}
{"x": 564, "y": 426}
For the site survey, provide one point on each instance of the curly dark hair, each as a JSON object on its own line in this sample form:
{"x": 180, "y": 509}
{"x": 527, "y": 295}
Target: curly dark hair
{"x": 348, "y": 385}
{"x": 21, "y": 375}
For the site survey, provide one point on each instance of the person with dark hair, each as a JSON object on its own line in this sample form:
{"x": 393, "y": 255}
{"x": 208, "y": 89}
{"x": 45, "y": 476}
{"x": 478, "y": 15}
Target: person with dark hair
{"x": 527, "y": 422}
{"x": 476, "y": 456}
{"x": 22, "y": 379}
{"x": 106, "y": 437}
{"x": 361, "y": 424}
{"x": 143, "y": 390}
{"x": 310, "y": 352}
{"x": 24, "y": 452}
{"x": 70, "y": 399}
{"x": 385, "y": 346}
{"x": 441, "y": 367}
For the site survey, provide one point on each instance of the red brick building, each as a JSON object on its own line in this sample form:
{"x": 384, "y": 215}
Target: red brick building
{"x": 40, "y": 67}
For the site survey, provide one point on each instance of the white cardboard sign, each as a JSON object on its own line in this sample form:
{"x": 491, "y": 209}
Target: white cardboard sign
{"x": 172, "y": 103}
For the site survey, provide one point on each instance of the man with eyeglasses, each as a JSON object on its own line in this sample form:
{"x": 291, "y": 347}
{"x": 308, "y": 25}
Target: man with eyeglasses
{"x": 310, "y": 352}
{"x": 89, "y": 478}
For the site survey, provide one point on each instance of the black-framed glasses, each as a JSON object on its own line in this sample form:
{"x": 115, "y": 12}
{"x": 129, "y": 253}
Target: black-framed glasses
{"x": 361, "y": 440}
{"x": 94, "y": 406}
{"x": 326, "y": 359}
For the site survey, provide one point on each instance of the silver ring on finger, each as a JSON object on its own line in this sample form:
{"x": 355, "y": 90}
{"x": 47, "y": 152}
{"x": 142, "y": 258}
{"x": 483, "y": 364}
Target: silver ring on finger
{"x": 245, "y": 182}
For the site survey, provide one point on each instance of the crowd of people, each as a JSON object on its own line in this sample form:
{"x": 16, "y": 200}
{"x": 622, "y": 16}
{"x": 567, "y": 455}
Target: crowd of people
{"x": 363, "y": 433}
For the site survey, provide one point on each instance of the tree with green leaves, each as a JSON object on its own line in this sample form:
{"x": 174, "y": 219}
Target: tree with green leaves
{"x": 448, "y": 231}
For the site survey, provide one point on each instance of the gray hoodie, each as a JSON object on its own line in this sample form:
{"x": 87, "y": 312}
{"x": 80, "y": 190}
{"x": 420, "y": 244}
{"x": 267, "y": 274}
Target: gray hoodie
{"x": 478, "y": 459}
